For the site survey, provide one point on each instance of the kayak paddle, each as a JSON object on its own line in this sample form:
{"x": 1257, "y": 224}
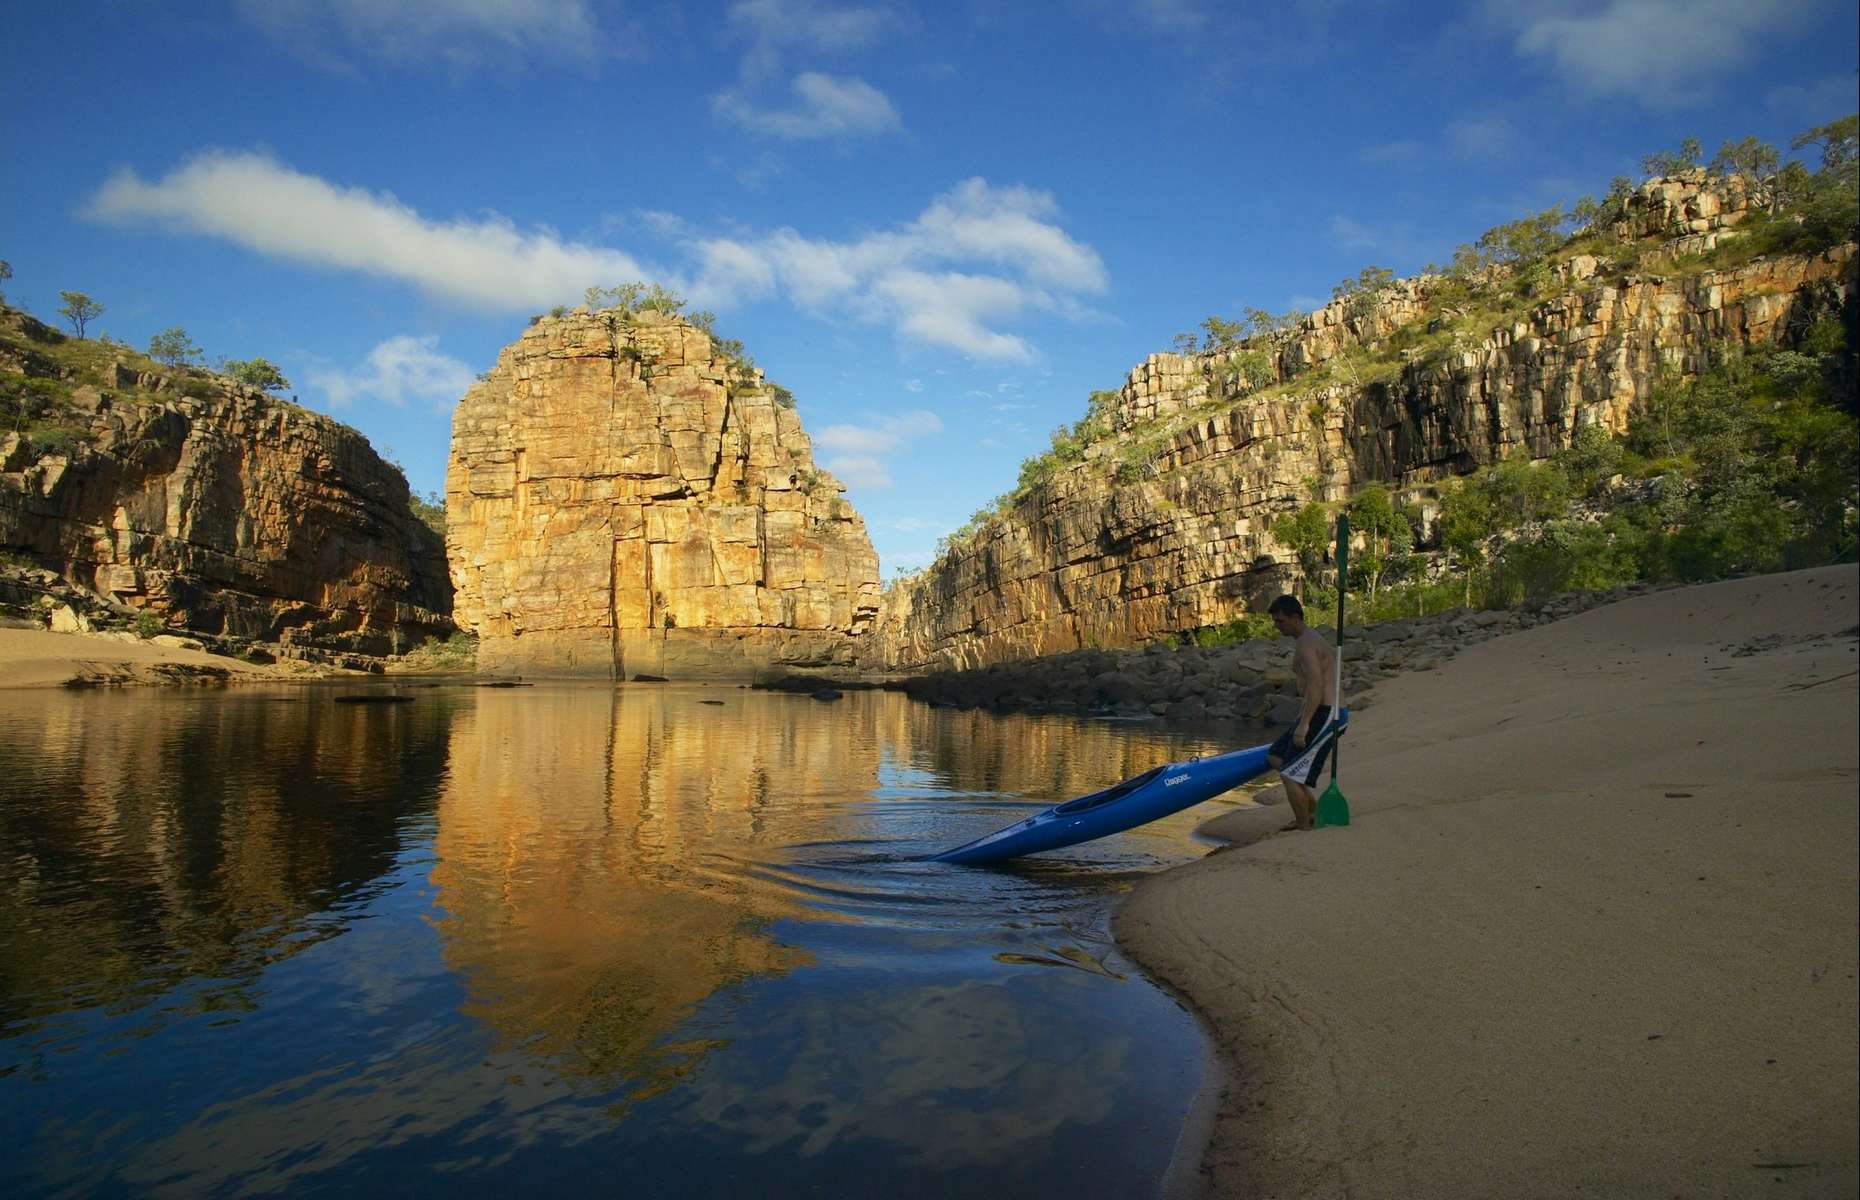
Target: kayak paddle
{"x": 1332, "y": 808}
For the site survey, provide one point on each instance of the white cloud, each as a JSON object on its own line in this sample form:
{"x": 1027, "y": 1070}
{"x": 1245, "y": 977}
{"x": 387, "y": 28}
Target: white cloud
{"x": 455, "y": 33}
{"x": 398, "y": 370}
{"x": 883, "y": 438}
{"x": 258, "y": 203}
{"x": 903, "y": 277}
{"x": 826, "y": 106}
{"x": 858, "y": 450}
{"x": 860, "y": 471}
{"x": 913, "y": 385}
{"x": 1659, "y": 51}
{"x": 773, "y": 25}
{"x": 977, "y": 257}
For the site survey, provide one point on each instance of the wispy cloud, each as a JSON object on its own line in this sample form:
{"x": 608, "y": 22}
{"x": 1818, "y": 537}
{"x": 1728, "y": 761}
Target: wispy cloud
{"x": 977, "y": 257}
{"x": 858, "y": 451}
{"x": 1351, "y": 234}
{"x": 1657, "y": 51}
{"x": 823, "y": 106}
{"x": 457, "y": 33}
{"x": 1170, "y": 16}
{"x": 1481, "y": 137}
{"x": 397, "y": 371}
{"x": 1823, "y": 100}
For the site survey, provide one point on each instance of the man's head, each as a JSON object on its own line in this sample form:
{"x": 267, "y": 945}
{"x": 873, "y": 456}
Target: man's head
{"x": 1288, "y": 615}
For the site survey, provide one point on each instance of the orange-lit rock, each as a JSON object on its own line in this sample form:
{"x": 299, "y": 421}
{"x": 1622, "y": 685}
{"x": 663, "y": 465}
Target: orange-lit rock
{"x": 622, "y": 499}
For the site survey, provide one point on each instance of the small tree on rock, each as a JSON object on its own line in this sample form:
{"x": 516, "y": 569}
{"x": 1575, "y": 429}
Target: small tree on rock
{"x": 259, "y": 373}
{"x": 79, "y": 309}
{"x": 174, "y": 347}
{"x": 1673, "y": 164}
{"x": 6, "y": 273}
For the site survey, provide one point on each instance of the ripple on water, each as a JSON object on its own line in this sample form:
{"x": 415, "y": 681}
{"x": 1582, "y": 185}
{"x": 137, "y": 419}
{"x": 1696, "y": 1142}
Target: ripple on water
{"x": 516, "y": 938}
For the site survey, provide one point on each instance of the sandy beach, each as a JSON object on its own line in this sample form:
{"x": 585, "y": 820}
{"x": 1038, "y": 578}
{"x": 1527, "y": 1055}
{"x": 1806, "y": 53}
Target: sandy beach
{"x": 1592, "y": 932}
{"x": 37, "y": 658}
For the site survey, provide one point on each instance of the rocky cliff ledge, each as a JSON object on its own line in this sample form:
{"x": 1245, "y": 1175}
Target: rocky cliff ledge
{"x": 1163, "y": 525}
{"x": 219, "y": 508}
{"x": 623, "y": 499}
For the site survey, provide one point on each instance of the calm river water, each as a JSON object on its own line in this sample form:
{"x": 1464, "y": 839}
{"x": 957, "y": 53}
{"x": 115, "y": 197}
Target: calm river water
{"x": 629, "y": 942}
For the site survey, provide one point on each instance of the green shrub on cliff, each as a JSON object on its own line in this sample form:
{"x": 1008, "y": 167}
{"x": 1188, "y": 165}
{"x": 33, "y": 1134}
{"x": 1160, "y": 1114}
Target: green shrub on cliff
{"x": 173, "y": 348}
{"x": 430, "y": 509}
{"x": 260, "y": 373}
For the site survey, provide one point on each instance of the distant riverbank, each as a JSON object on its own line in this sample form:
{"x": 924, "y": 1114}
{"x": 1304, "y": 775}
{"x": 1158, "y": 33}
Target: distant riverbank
{"x": 1591, "y": 932}
{"x": 39, "y": 658}
{"x": 1248, "y": 681}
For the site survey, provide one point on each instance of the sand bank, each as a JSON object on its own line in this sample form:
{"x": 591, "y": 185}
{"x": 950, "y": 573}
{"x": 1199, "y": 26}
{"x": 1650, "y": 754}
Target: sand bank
{"x": 1593, "y": 931}
{"x": 36, "y": 658}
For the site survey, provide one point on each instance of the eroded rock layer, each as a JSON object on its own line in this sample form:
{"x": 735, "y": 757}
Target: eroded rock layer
{"x": 622, "y": 499}
{"x": 225, "y": 511}
{"x": 1100, "y": 556}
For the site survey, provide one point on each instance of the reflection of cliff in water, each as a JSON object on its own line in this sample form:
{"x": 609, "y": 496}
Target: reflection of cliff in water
{"x": 152, "y": 839}
{"x": 577, "y": 862}
{"x": 1039, "y": 757}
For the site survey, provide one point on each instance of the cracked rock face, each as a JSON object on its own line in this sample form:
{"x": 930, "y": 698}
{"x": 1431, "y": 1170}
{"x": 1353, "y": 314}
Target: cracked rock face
{"x": 623, "y": 500}
{"x": 229, "y": 512}
{"x": 1096, "y": 559}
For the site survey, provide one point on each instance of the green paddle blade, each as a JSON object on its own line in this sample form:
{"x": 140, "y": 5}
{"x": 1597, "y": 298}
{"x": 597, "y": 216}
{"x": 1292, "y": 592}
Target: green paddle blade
{"x": 1332, "y": 808}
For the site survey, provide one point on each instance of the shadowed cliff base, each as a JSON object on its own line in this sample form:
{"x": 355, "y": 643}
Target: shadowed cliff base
{"x": 1591, "y": 931}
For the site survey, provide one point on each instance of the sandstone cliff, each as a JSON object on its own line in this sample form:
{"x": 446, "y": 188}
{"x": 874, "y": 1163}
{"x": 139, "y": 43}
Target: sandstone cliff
{"x": 624, "y": 499}
{"x": 219, "y": 508}
{"x": 1164, "y": 526}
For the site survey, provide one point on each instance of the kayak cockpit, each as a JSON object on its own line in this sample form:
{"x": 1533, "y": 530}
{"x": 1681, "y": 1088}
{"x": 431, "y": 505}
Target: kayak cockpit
{"x": 1087, "y": 803}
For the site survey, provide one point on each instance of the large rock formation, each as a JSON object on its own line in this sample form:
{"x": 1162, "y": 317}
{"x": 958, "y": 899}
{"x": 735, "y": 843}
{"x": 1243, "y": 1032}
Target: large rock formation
{"x": 1109, "y": 553}
{"x": 623, "y": 499}
{"x": 220, "y": 508}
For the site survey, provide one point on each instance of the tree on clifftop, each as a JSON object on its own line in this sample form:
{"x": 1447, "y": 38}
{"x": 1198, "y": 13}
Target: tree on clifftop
{"x": 259, "y": 373}
{"x": 80, "y": 310}
{"x": 6, "y": 273}
{"x": 1672, "y": 164}
{"x": 174, "y": 347}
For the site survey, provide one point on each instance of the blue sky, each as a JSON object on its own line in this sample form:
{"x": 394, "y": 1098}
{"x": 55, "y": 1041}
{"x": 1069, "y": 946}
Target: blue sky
{"x": 940, "y": 226}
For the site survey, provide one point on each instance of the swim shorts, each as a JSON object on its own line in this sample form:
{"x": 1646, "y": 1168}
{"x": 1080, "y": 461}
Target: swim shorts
{"x": 1285, "y": 751}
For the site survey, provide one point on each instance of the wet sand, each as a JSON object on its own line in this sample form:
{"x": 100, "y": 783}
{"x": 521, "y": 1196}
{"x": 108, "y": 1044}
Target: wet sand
{"x": 1592, "y": 932}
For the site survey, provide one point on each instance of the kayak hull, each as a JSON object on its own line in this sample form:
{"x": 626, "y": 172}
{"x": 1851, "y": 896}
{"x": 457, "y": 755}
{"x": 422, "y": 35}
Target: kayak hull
{"x": 1139, "y": 800}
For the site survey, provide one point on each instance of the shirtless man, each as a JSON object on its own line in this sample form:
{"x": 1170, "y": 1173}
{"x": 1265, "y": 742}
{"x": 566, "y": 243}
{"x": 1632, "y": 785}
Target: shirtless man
{"x": 1314, "y": 664}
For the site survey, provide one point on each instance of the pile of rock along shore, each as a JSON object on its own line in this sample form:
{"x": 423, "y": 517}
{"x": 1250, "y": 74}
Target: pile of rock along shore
{"x": 1244, "y": 681}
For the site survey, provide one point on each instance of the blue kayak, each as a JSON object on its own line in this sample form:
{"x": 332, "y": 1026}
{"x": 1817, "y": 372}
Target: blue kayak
{"x": 1136, "y": 801}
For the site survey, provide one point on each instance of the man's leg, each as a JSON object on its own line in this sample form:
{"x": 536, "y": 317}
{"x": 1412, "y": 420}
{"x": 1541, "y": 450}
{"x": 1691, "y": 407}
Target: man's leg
{"x": 1304, "y": 805}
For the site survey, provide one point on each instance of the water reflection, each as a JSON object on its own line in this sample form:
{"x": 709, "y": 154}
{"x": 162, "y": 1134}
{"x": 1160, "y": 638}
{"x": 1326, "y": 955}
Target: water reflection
{"x": 143, "y": 845}
{"x": 565, "y": 833}
{"x": 683, "y": 931}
